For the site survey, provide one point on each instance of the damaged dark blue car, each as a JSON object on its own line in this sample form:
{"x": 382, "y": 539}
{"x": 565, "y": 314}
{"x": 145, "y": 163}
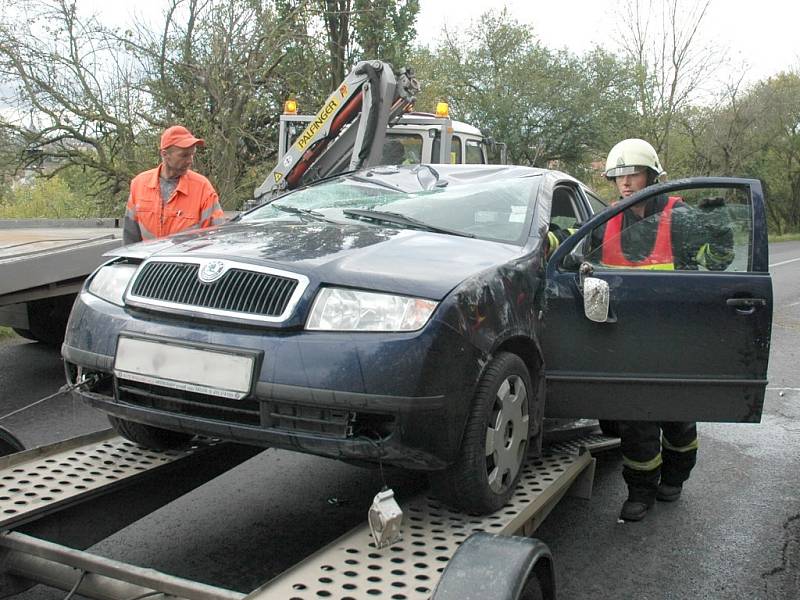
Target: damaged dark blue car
{"x": 416, "y": 316}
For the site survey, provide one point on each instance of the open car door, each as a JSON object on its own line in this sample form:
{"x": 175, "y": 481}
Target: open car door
{"x": 686, "y": 342}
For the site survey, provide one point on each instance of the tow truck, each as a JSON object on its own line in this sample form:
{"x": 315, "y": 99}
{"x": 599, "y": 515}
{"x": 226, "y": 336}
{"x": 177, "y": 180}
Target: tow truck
{"x": 43, "y": 263}
{"x": 58, "y": 500}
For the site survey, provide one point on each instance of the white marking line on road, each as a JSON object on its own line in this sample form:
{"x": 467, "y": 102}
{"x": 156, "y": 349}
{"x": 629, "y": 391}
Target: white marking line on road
{"x": 771, "y": 389}
{"x": 784, "y": 262}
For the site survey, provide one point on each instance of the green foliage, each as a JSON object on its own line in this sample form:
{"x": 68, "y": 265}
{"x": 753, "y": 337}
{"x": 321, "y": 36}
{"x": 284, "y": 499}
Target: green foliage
{"x": 750, "y": 133}
{"x": 7, "y": 332}
{"x": 364, "y": 30}
{"x": 550, "y": 107}
{"x": 46, "y": 199}
{"x": 385, "y": 29}
{"x": 99, "y": 97}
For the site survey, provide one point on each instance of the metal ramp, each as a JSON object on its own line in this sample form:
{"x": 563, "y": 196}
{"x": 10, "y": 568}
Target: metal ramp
{"x": 48, "y": 494}
{"x": 42, "y": 480}
{"x": 351, "y": 568}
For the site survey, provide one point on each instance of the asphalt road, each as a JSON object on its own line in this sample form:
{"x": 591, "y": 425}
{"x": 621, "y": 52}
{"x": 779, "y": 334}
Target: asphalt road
{"x": 735, "y": 533}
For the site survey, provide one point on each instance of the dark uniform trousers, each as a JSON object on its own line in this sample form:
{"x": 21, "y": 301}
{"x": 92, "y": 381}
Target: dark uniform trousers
{"x": 654, "y": 452}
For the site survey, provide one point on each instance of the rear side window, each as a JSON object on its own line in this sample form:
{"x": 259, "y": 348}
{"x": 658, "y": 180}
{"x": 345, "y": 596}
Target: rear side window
{"x": 597, "y": 203}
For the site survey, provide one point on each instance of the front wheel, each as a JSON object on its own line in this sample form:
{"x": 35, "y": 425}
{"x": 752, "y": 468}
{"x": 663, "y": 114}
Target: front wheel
{"x": 148, "y": 436}
{"x": 495, "y": 441}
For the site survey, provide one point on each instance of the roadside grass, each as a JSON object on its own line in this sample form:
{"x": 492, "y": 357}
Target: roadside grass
{"x": 6, "y": 332}
{"x": 786, "y": 237}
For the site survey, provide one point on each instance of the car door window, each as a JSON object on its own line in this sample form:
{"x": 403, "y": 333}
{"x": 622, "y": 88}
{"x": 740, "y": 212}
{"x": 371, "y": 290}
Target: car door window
{"x": 564, "y": 209}
{"x": 698, "y": 229}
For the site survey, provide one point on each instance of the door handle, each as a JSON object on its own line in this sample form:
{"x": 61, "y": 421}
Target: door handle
{"x": 746, "y": 306}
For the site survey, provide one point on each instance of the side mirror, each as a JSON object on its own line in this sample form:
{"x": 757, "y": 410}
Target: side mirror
{"x": 595, "y": 299}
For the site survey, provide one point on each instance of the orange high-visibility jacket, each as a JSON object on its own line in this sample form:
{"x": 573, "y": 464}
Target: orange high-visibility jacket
{"x": 193, "y": 205}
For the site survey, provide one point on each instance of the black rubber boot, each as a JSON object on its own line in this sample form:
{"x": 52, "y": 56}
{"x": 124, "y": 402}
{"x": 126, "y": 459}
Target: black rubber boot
{"x": 640, "y": 499}
{"x": 668, "y": 493}
{"x": 633, "y": 511}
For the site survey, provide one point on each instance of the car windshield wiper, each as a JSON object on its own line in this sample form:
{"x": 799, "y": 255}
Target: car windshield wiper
{"x": 302, "y": 211}
{"x": 376, "y": 182}
{"x": 398, "y": 219}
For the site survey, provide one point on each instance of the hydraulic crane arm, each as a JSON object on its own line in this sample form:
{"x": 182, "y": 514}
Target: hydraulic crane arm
{"x": 369, "y": 99}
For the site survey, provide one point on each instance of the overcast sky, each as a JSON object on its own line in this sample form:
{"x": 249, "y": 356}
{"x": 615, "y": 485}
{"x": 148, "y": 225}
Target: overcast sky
{"x": 763, "y": 35}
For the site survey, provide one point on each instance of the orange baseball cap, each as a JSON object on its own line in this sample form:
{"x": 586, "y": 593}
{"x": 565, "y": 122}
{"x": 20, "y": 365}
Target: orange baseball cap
{"x": 179, "y": 136}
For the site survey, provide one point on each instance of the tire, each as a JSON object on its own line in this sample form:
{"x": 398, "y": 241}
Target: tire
{"x": 26, "y": 333}
{"x": 47, "y": 319}
{"x": 495, "y": 440}
{"x": 609, "y": 428}
{"x": 8, "y": 443}
{"x": 148, "y": 436}
{"x": 498, "y": 567}
{"x": 532, "y": 589}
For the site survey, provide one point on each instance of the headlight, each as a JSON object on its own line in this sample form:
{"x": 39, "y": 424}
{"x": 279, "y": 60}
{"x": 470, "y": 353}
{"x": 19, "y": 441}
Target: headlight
{"x": 338, "y": 309}
{"x": 109, "y": 282}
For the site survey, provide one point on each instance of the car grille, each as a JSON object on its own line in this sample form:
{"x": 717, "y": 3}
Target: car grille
{"x": 245, "y": 412}
{"x": 320, "y": 421}
{"x": 236, "y": 291}
{"x": 306, "y": 419}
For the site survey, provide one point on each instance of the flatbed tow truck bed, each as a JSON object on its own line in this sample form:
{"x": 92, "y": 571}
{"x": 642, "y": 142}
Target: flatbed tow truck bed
{"x": 58, "y": 500}
{"x": 35, "y": 254}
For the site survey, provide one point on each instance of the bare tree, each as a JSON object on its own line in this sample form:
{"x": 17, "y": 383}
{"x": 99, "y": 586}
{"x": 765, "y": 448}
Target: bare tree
{"x": 97, "y": 97}
{"x": 663, "y": 41}
{"x": 75, "y": 100}
{"x": 215, "y": 67}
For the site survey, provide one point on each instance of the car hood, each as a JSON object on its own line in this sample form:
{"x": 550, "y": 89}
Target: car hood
{"x": 363, "y": 256}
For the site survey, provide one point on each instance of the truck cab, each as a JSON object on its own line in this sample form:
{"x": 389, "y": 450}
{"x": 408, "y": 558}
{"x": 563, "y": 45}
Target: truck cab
{"x": 421, "y": 137}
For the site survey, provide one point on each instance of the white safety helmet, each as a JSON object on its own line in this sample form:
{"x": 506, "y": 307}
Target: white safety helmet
{"x": 630, "y": 155}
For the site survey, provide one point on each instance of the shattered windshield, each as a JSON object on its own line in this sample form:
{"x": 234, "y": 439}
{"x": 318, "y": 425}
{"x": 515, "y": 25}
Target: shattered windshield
{"x": 500, "y": 209}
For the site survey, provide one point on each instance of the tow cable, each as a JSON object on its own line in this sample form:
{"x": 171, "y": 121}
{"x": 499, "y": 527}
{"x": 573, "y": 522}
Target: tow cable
{"x": 67, "y": 387}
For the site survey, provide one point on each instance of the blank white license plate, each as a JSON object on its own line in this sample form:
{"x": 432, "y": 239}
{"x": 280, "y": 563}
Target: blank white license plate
{"x": 184, "y": 368}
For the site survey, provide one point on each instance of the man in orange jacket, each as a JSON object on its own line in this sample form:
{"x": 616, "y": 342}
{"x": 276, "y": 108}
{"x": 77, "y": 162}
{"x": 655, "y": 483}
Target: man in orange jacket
{"x": 171, "y": 197}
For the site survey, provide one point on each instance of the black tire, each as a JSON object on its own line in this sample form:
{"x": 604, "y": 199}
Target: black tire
{"x": 26, "y": 333}
{"x": 148, "y": 436}
{"x": 47, "y": 319}
{"x": 488, "y": 467}
{"x": 8, "y": 443}
{"x": 609, "y": 428}
{"x": 532, "y": 589}
{"x": 498, "y": 567}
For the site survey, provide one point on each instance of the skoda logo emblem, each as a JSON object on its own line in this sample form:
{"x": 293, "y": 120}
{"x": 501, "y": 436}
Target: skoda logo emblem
{"x": 211, "y": 271}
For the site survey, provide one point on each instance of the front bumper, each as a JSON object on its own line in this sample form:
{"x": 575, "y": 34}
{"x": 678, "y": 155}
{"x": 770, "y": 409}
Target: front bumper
{"x": 399, "y": 398}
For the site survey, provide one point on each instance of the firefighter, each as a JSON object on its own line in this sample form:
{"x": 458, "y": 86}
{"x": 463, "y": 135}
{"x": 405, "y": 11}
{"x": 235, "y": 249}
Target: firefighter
{"x": 661, "y": 233}
{"x": 171, "y": 197}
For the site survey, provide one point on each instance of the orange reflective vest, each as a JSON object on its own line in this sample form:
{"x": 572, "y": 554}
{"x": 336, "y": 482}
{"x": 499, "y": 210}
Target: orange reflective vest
{"x": 194, "y": 204}
{"x": 661, "y": 256}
